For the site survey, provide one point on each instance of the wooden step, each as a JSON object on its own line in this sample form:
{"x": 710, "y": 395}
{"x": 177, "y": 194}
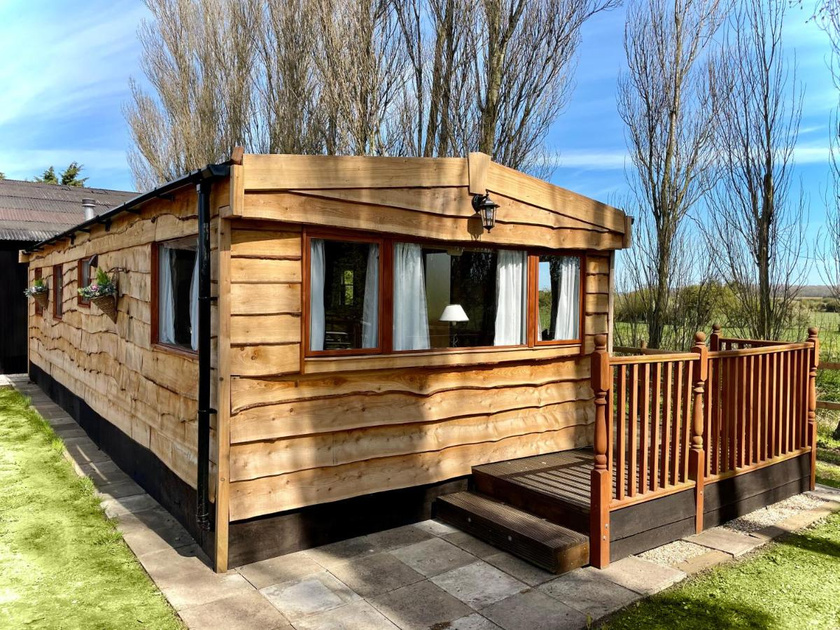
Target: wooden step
{"x": 554, "y": 486}
{"x": 545, "y": 544}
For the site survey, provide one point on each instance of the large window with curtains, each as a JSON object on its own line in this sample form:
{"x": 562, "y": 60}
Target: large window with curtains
{"x": 176, "y": 294}
{"x": 382, "y": 296}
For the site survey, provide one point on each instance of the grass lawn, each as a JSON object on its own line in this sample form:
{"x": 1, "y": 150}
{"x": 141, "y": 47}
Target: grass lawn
{"x": 795, "y": 584}
{"x": 62, "y": 564}
{"x": 828, "y": 449}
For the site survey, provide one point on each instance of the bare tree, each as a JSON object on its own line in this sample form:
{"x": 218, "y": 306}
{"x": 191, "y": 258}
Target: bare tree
{"x": 364, "y": 77}
{"x": 666, "y": 99}
{"x": 758, "y": 219}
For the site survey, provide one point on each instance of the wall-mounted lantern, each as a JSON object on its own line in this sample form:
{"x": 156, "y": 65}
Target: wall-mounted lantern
{"x": 486, "y": 207}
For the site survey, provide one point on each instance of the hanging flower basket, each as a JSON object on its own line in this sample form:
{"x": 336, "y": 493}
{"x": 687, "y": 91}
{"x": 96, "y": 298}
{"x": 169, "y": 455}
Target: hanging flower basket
{"x": 38, "y": 292}
{"x": 102, "y": 292}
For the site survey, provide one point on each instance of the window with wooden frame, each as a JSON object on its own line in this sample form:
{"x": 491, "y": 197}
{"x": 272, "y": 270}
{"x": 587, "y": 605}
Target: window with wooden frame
{"x": 383, "y": 296}
{"x": 39, "y": 274}
{"x": 558, "y": 317}
{"x": 175, "y": 294}
{"x": 344, "y": 285}
{"x": 83, "y": 273}
{"x": 58, "y": 290}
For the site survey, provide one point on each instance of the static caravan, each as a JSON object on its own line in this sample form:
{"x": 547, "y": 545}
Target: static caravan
{"x": 303, "y": 349}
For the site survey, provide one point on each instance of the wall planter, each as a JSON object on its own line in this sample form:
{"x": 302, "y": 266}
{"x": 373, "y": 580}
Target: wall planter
{"x": 102, "y": 292}
{"x": 38, "y": 292}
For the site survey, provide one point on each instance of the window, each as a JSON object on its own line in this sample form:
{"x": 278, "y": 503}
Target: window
{"x": 38, "y": 276}
{"x": 84, "y": 278}
{"x": 58, "y": 287}
{"x": 343, "y": 295}
{"x": 177, "y": 293}
{"x": 458, "y": 298}
{"x": 558, "y": 287}
{"x": 377, "y": 295}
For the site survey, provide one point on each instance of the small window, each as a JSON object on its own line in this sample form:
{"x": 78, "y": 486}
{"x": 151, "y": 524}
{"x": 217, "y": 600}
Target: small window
{"x": 458, "y": 298}
{"x": 39, "y": 274}
{"x": 343, "y": 295}
{"x": 178, "y": 293}
{"x": 58, "y": 290}
{"x": 558, "y": 285}
{"x": 84, "y": 278}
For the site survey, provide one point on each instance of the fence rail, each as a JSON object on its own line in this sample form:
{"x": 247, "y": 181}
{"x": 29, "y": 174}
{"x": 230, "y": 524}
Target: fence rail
{"x": 671, "y": 421}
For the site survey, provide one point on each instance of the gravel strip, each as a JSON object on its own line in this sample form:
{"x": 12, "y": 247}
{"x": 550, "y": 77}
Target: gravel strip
{"x": 772, "y": 514}
{"x": 674, "y": 553}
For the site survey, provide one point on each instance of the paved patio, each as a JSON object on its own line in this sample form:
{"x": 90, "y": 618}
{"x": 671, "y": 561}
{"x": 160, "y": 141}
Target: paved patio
{"x": 427, "y": 575}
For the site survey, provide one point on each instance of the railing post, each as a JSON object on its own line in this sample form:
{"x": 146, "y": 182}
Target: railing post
{"x": 714, "y": 340}
{"x": 601, "y": 479}
{"x": 813, "y": 364}
{"x": 697, "y": 455}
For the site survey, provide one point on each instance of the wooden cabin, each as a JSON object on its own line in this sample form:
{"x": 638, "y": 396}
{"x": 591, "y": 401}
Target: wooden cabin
{"x": 310, "y": 348}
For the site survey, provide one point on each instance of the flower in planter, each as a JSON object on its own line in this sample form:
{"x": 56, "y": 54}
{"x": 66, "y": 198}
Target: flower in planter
{"x": 38, "y": 287}
{"x": 103, "y": 286}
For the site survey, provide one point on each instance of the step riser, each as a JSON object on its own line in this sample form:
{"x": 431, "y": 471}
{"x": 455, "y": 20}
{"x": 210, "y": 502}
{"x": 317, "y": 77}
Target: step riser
{"x": 549, "y": 508}
{"x": 504, "y": 538}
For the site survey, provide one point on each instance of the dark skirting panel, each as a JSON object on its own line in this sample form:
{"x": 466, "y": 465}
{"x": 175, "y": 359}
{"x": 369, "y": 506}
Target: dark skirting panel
{"x": 643, "y": 526}
{"x": 172, "y": 492}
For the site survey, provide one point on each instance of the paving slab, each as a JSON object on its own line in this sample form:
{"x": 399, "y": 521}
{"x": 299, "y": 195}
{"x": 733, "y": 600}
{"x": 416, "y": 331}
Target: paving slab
{"x": 315, "y": 594}
{"x": 83, "y": 451}
{"x": 696, "y": 564}
{"x": 202, "y": 586}
{"x": 771, "y": 532}
{"x": 472, "y": 622}
{"x": 167, "y": 564}
{"x": 68, "y": 430}
{"x": 534, "y": 610}
{"x": 479, "y": 584}
{"x": 128, "y": 505}
{"x": 120, "y": 489}
{"x": 374, "y": 575}
{"x": 433, "y": 557}
{"x": 436, "y": 528}
{"x": 398, "y": 537}
{"x": 802, "y": 520}
{"x": 518, "y": 568}
{"x": 420, "y": 606}
{"x": 242, "y": 611}
{"x": 726, "y": 540}
{"x": 104, "y": 472}
{"x": 288, "y": 568}
{"x": 471, "y": 544}
{"x": 152, "y": 530}
{"x": 356, "y": 616}
{"x": 638, "y": 575}
{"x": 336, "y": 553}
{"x": 589, "y": 593}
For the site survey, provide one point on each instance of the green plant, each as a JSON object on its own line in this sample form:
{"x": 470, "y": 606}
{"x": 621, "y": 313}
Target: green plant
{"x": 103, "y": 286}
{"x": 38, "y": 286}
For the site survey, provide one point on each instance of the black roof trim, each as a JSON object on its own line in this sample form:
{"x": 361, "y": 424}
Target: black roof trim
{"x": 211, "y": 171}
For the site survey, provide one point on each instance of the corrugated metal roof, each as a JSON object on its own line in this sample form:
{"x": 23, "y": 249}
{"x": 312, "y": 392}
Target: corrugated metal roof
{"x": 32, "y": 211}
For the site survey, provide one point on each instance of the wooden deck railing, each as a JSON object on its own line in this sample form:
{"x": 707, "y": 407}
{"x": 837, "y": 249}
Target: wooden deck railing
{"x": 667, "y": 422}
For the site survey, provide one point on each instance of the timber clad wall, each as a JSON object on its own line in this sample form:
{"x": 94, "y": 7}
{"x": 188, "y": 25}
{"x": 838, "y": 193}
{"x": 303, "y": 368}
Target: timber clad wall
{"x": 309, "y": 431}
{"x": 146, "y": 392}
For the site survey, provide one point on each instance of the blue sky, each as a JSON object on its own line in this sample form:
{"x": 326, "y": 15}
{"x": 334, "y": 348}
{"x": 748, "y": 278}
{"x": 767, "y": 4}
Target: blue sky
{"x": 65, "y": 78}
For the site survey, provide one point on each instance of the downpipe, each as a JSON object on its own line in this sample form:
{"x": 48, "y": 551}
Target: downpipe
{"x": 204, "y": 187}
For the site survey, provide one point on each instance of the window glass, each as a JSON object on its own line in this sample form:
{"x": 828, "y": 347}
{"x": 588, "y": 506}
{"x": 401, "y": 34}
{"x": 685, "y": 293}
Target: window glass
{"x": 58, "y": 286}
{"x": 178, "y": 293}
{"x": 455, "y": 297}
{"x": 559, "y": 298}
{"x": 344, "y": 295}
{"x": 84, "y": 277}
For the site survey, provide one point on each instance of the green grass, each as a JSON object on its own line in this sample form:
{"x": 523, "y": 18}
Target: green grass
{"x": 828, "y": 449}
{"x": 62, "y": 564}
{"x": 793, "y": 584}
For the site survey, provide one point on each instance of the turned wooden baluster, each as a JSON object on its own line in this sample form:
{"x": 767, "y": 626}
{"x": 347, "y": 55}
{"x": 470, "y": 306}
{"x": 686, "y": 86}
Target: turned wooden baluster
{"x": 812, "y": 400}
{"x": 601, "y": 479}
{"x": 697, "y": 456}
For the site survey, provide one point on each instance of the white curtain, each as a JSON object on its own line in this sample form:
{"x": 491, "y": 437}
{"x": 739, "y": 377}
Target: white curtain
{"x": 568, "y": 299}
{"x": 510, "y": 298}
{"x": 194, "y": 306}
{"x": 166, "y": 297}
{"x": 370, "y": 308}
{"x": 317, "y": 270}
{"x": 411, "y": 319}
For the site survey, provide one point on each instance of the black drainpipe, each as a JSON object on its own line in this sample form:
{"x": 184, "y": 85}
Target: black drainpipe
{"x": 204, "y": 187}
